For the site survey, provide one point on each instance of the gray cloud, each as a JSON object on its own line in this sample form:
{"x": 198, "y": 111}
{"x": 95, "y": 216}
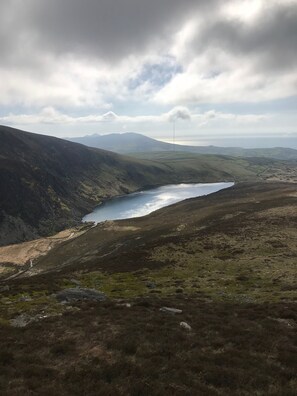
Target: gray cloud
{"x": 271, "y": 39}
{"x": 52, "y": 50}
{"x": 113, "y": 29}
{"x": 109, "y": 29}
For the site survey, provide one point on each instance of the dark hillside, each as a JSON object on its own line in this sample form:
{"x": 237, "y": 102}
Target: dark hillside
{"x": 47, "y": 183}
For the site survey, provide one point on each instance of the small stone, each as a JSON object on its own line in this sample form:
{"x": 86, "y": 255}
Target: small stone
{"x": 185, "y": 326}
{"x": 172, "y": 311}
{"x": 125, "y": 305}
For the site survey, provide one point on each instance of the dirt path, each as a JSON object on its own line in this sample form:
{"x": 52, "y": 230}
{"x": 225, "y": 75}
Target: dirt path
{"x": 25, "y": 253}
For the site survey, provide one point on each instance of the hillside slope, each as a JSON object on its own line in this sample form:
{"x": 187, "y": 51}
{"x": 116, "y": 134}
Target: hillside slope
{"x": 249, "y": 221}
{"x": 226, "y": 263}
{"x": 127, "y": 143}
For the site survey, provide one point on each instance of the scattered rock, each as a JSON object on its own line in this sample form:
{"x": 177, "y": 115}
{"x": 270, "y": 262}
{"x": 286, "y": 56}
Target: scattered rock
{"x": 172, "y": 311}
{"x": 24, "y": 319}
{"x": 78, "y": 294}
{"x": 151, "y": 285}
{"x": 75, "y": 281}
{"x": 21, "y": 321}
{"x": 25, "y": 299}
{"x": 70, "y": 308}
{"x": 4, "y": 288}
{"x": 185, "y": 326}
{"x": 181, "y": 227}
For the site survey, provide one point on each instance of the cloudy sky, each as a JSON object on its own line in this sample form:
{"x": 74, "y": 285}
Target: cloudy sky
{"x": 220, "y": 70}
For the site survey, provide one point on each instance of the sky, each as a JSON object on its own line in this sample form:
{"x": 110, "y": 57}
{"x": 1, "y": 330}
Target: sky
{"x": 216, "y": 70}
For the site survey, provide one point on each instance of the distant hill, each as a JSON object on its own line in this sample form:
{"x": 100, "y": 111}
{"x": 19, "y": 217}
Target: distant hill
{"x": 129, "y": 143}
{"x": 124, "y": 143}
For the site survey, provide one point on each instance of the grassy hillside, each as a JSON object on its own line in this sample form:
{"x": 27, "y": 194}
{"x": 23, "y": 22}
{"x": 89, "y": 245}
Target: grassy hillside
{"x": 264, "y": 212}
{"x": 240, "y": 169}
{"x": 127, "y": 143}
{"x": 226, "y": 261}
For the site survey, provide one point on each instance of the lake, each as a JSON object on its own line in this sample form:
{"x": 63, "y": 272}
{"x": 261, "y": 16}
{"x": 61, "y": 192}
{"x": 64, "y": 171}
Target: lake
{"x": 144, "y": 202}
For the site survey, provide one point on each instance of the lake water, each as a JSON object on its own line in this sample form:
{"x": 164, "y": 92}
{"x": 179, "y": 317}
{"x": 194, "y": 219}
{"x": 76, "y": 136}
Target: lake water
{"x": 144, "y": 202}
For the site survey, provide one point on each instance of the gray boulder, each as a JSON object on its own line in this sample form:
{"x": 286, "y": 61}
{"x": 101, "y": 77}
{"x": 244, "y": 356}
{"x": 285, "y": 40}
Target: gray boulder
{"x": 79, "y": 294}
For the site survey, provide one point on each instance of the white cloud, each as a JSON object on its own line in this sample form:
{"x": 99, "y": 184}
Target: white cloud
{"x": 179, "y": 113}
{"x": 50, "y": 115}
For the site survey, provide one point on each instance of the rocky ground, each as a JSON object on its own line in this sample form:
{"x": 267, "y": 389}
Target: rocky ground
{"x": 195, "y": 299}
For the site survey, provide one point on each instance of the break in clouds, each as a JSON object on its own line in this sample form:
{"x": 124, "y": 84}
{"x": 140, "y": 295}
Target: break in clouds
{"x": 75, "y": 61}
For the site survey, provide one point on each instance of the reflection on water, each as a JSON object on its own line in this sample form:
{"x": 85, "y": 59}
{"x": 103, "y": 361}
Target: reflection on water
{"x": 144, "y": 202}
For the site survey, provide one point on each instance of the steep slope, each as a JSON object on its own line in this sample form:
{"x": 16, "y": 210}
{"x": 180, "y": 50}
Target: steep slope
{"x": 48, "y": 183}
{"x": 127, "y": 143}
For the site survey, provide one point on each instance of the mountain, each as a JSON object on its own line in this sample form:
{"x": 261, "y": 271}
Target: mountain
{"x": 47, "y": 183}
{"x": 124, "y": 143}
{"x": 128, "y": 143}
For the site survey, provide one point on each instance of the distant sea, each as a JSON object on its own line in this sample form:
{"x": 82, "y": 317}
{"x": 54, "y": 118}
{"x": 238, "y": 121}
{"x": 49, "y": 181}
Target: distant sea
{"x": 255, "y": 142}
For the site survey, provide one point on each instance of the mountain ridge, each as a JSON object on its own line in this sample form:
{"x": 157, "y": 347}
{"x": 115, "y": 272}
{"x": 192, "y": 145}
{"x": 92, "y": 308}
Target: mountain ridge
{"x": 131, "y": 142}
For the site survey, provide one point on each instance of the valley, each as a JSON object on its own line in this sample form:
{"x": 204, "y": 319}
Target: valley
{"x": 195, "y": 298}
